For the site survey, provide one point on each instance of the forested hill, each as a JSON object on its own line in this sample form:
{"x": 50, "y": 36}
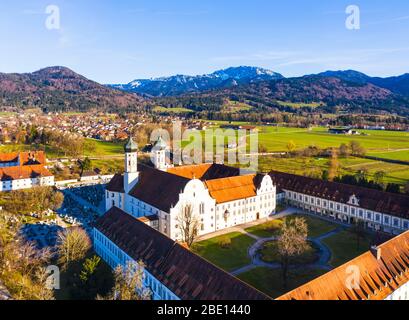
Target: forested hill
{"x": 61, "y": 89}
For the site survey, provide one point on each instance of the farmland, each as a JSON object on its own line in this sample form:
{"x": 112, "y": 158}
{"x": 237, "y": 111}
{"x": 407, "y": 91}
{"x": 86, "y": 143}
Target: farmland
{"x": 276, "y": 139}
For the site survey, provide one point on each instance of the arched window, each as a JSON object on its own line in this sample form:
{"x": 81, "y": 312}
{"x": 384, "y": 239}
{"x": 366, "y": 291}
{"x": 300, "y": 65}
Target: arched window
{"x": 202, "y": 208}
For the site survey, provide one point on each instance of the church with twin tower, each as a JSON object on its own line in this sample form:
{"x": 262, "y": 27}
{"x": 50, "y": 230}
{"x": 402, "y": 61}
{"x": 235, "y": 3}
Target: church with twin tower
{"x": 217, "y": 195}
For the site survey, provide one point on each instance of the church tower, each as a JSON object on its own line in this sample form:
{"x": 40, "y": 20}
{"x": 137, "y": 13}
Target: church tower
{"x": 159, "y": 154}
{"x": 131, "y": 165}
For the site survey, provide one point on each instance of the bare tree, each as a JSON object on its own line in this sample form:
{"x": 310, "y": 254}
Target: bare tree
{"x": 292, "y": 242}
{"x": 73, "y": 245}
{"x": 356, "y": 148}
{"x": 359, "y": 230}
{"x": 22, "y": 270}
{"x": 129, "y": 283}
{"x": 333, "y": 165}
{"x": 188, "y": 224}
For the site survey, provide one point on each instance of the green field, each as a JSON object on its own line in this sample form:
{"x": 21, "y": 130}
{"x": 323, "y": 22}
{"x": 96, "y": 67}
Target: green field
{"x": 102, "y": 149}
{"x": 388, "y": 144}
{"x": 297, "y": 105}
{"x": 314, "y": 166}
{"x": 401, "y": 155}
{"x": 234, "y": 106}
{"x": 159, "y": 109}
{"x": 7, "y": 113}
{"x": 276, "y": 139}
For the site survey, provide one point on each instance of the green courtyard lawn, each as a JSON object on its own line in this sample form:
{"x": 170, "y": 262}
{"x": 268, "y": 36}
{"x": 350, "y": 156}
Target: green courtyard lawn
{"x": 270, "y": 281}
{"x": 344, "y": 247}
{"x": 316, "y": 227}
{"x": 230, "y": 258}
{"x": 269, "y": 253}
{"x": 266, "y": 230}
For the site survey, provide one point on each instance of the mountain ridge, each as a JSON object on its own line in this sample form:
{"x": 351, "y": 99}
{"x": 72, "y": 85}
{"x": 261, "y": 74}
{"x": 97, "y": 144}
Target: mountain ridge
{"x": 257, "y": 89}
{"x": 182, "y": 84}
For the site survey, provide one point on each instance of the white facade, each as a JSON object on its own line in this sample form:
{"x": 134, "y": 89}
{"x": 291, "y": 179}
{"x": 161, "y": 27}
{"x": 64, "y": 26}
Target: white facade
{"x": 348, "y": 213}
{"x": 402, "y": 293}
{"x": 131, "y": 171}
{"x": 19, "y": 184}
{"x": 212, "y": 216}
{"x": 115, "y": 257}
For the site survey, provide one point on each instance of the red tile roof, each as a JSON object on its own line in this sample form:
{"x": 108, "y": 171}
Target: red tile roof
{"x": 233, "y": 188}
{"x": 25, "y": 158}
{"x": 23, "y": 172}
{"x": 207, "y": 171}
{"x": 381, "y": 272}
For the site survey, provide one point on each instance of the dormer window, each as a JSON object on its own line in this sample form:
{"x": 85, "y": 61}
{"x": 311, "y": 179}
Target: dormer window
{"x": 353, "y": 200}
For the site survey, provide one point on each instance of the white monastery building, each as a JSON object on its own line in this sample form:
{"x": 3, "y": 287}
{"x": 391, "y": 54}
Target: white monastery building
{"x": 218, "y": 196}
{"x": 142, "y": 223}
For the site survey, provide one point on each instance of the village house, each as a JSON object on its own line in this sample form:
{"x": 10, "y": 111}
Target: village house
{"x": 24, "y": 170}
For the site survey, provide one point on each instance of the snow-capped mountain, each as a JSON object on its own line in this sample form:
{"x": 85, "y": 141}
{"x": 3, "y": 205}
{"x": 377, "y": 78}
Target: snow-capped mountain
{"x": 181, "y": 84}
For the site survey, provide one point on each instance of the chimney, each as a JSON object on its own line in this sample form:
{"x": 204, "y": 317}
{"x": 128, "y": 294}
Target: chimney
{"x": 377, "y": 252}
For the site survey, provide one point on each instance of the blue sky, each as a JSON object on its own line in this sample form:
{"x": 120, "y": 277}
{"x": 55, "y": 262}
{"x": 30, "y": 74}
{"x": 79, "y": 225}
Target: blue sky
{"x": 117, "y": 41}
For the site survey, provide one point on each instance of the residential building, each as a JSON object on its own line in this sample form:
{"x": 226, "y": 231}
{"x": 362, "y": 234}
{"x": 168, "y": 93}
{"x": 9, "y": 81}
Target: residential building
{"x": 24, "y": 170}
{"x": 378, "y": 210}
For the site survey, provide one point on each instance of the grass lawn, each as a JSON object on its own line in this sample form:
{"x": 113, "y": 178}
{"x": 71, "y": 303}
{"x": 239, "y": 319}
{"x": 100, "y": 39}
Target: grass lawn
{"x": 344, "y": 247}
{"x": 314, "y": 166}
{"x": 270, "y": 281}
{"x": 234, "y": 106}
{"x": 101, "y": 148}
{"x": 269, "y": 253}
{"x": 316, "y": 227}
{"x": 108, "y": 166}
{"x": 230, "y": 258}
{"x": 402, "y": 155}
{"x": 159, "y": 109}
{"x": 300, "y": 105}
{"x": 277, "y": 139}
{"x": 266, "y": 230}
